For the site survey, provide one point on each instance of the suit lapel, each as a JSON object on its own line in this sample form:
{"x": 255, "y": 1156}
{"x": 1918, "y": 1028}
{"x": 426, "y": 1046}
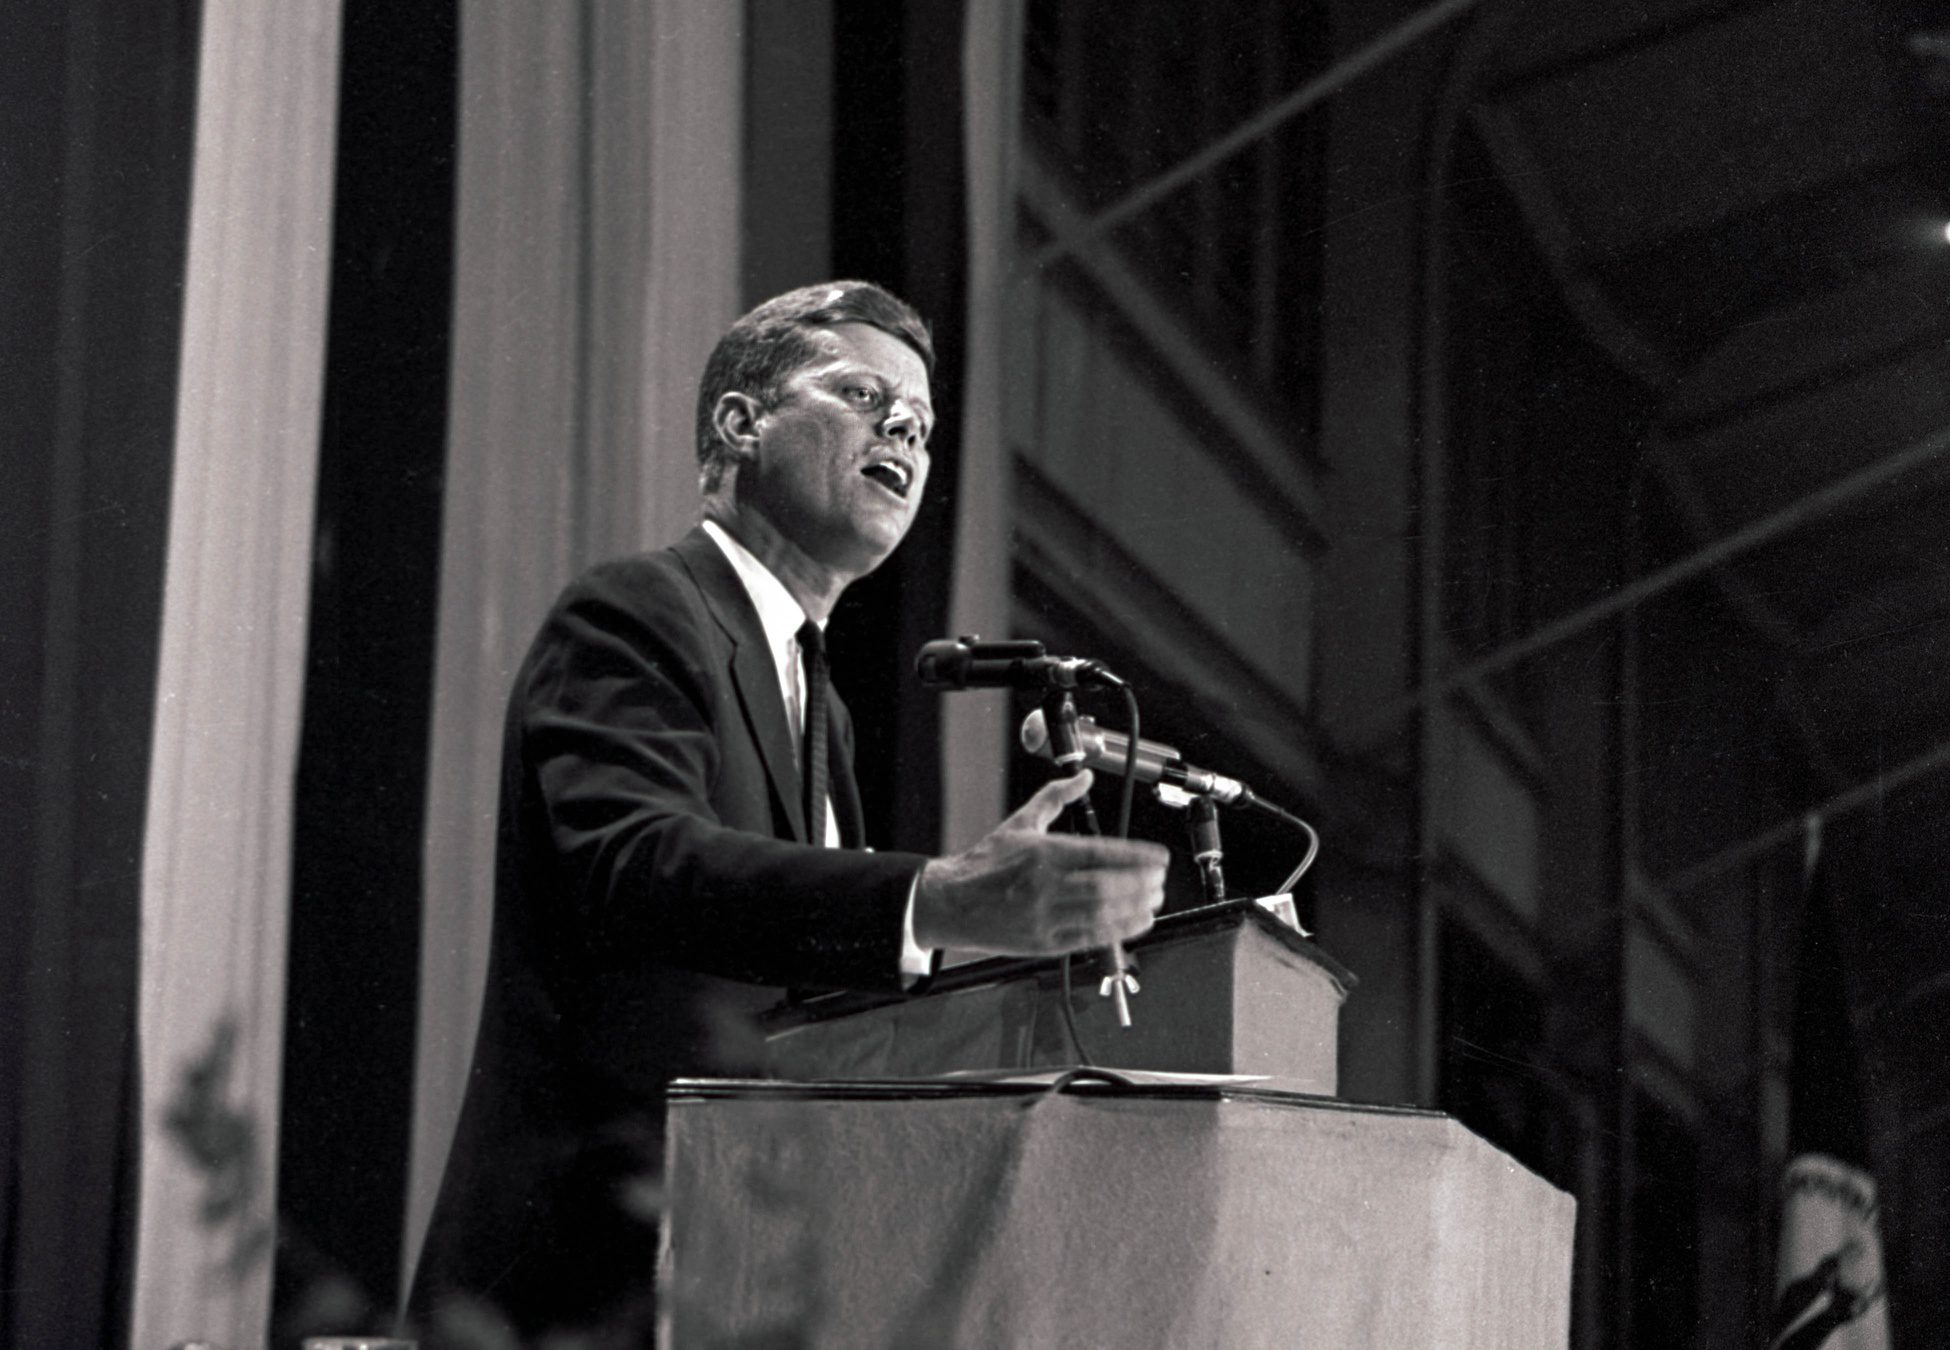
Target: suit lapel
{"x": 753, "y": 674}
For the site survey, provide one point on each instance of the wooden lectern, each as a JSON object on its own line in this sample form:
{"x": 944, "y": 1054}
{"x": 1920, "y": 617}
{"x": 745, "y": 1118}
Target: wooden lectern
{"x": 890, "y": 1205}
{"x": 957, "y": 1214}
{"x": 1225, "y": 988}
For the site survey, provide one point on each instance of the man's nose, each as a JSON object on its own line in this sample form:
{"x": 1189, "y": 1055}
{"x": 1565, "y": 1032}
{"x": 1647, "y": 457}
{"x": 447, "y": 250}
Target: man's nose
{"x": 902, "y": 424}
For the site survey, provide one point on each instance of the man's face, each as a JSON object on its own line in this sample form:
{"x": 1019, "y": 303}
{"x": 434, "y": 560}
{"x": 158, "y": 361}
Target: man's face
{"x": 842, "y": 455}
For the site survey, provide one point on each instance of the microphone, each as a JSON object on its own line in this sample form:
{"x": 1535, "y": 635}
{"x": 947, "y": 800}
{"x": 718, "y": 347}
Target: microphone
{"x": 970, "y": 663}
{"x": 1156, "y": 762}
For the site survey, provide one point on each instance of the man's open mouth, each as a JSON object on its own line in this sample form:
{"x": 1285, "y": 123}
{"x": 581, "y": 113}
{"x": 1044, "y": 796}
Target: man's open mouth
{"x": 891, "y": 474}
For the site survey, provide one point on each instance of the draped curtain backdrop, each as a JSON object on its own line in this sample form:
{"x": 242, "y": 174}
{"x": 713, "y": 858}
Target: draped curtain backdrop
{"x": 216, "y": 851}
{"x": 97, "y": 100}
{"x": 975, "y": 727}
{"x": 596, "y": 261}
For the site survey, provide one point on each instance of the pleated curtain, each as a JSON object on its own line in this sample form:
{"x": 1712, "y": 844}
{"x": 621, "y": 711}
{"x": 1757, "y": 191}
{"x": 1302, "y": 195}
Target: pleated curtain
{"x": 596, "y": 263}
{"x": 216, "y": 850}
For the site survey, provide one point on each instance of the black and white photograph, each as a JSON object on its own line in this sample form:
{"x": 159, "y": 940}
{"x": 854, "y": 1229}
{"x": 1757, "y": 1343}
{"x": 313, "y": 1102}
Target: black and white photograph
{"x": 829, "y": 674}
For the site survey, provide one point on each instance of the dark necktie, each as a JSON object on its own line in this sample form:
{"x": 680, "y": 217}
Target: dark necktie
{"x": 812, "y": 758}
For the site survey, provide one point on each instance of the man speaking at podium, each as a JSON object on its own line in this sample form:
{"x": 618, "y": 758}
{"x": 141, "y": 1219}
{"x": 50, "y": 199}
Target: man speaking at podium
{"x": 680, "y": 833}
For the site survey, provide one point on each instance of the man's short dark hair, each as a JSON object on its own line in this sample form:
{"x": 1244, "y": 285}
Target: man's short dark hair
{"x": 758, "y": 353}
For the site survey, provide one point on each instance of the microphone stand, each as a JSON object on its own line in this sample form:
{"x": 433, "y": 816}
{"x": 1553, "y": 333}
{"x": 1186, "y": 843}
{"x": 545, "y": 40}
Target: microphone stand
{"x": 1202, "y": 818}
{"x": 1060, "y": 715}
{"x": 1202, "y": 824}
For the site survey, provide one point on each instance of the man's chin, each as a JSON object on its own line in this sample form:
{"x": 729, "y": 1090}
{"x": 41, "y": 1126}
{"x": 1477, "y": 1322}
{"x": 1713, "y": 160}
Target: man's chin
{"x": 872, "y": 545}
{"x": 850, "y": 544}
{"x": 867, "y": 560}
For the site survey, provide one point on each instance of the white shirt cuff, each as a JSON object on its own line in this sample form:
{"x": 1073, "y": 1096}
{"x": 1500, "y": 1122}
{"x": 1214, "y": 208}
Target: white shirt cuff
{"x": 916, "y": 961}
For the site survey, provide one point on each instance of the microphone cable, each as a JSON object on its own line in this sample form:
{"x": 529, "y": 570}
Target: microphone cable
{"x": 1129, "y": 789}
{"x": 1127, "y": 793}
{"x": 1313, "y": 843}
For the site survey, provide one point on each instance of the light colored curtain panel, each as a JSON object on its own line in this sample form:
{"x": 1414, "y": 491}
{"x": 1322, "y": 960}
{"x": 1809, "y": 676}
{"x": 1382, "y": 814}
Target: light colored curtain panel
{"x": 975, "y": 726}
{"x": 696, "y": 92}
{"x": 596, "y": 261}
{"x": 216, "y": 854}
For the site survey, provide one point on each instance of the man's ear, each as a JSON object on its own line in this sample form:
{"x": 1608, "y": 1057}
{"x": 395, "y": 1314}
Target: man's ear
{"x": 736, "y": 418}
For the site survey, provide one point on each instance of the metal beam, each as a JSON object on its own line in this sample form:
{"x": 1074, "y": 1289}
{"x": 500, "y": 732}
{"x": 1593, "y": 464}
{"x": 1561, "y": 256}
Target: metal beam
{"x": 1330, "y": 81}
{"x": 1790, "y": 517}
{"x": 1929, "y": 762}
{"x": 1911, "y": 1129}
{"x": 1920, "y": 991}
{"x": 1764, "y": 615}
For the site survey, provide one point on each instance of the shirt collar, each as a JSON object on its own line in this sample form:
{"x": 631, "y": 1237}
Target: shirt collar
{"x": 778, "y": 613}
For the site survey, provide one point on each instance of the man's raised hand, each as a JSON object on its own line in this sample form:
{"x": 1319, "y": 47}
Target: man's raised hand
{"x": 1021, "y": 891}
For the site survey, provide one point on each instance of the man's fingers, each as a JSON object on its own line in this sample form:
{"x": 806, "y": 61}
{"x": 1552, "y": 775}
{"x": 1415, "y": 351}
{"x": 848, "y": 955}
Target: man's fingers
{"x": 1105, "y": 890}
{"x": 1136, "y": 881}
{"x": 1116, "y": 898}
{"x": 1024, "y": 892}
{"x": 1097, "y": 927}
{"x": 1081, "y": 852}
{"x": 1040, "y": 811}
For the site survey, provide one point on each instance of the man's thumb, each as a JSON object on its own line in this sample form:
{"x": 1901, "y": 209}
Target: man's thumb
{"x": 1040, "y": 811}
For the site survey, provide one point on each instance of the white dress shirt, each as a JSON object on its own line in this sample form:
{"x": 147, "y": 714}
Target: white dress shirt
{"x": 781, "y": 618}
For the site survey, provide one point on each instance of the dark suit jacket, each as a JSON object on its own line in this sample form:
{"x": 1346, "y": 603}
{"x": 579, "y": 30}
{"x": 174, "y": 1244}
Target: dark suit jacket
{"x": 653, "y": 892}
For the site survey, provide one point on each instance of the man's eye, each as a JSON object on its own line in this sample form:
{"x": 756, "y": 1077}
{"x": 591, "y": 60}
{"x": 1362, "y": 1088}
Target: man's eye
{"x": 862, "y": 396}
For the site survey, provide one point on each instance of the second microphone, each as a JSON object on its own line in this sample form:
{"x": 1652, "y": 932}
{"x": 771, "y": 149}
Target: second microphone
{"x": 1105, "y": 751}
